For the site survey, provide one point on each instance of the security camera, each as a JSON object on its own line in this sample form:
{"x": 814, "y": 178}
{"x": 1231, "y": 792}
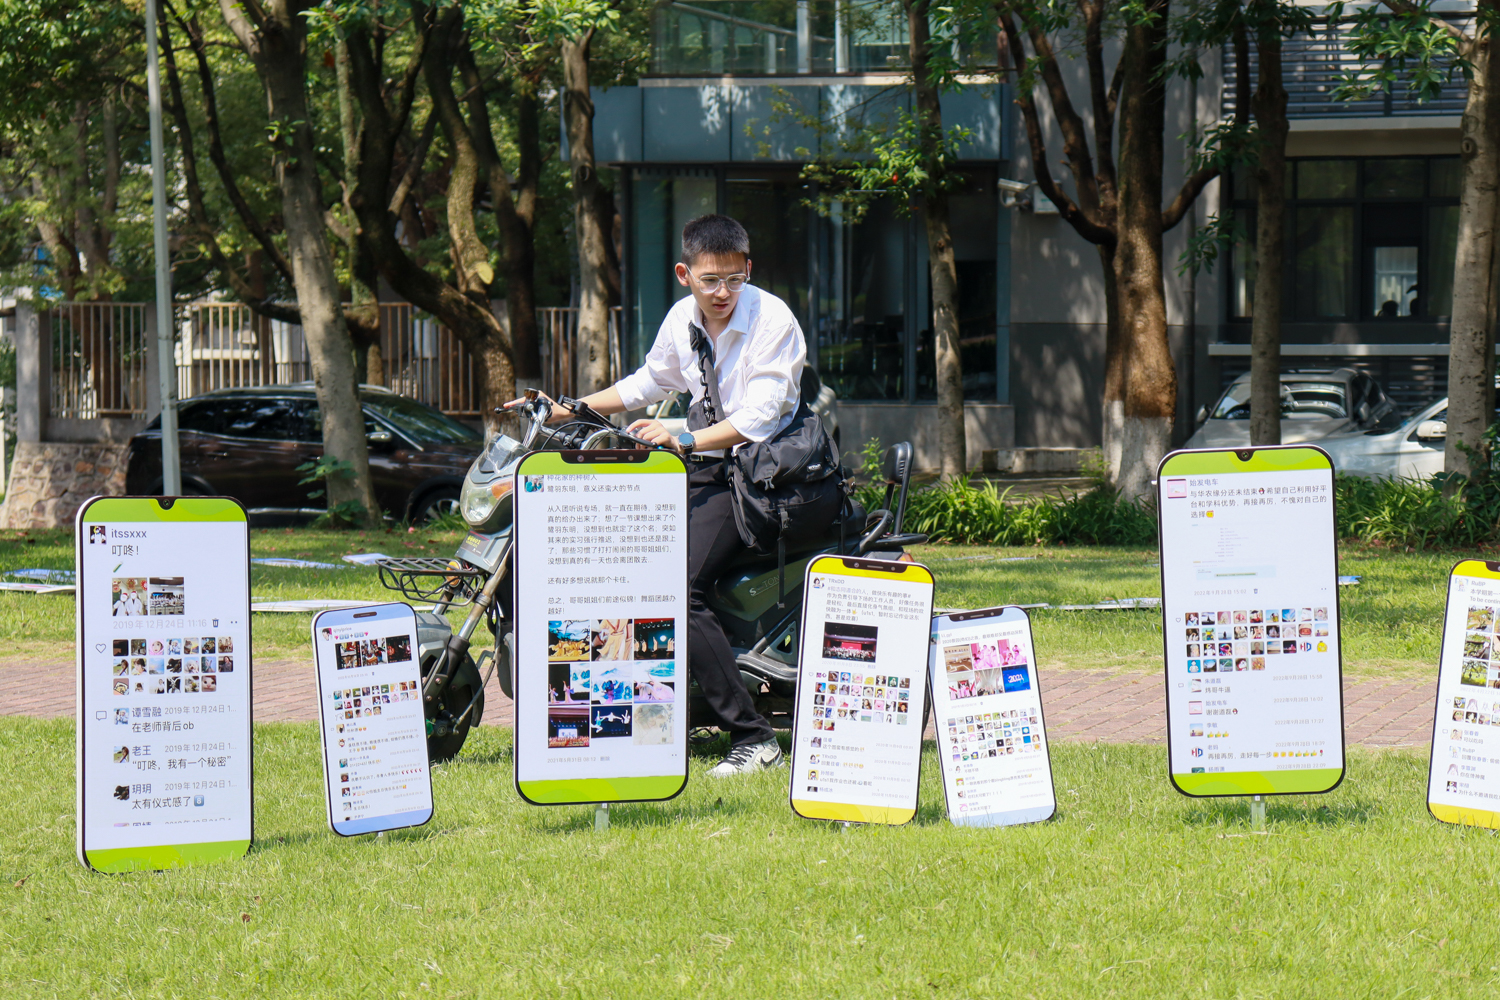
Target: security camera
{"x": 1013, "y": 193}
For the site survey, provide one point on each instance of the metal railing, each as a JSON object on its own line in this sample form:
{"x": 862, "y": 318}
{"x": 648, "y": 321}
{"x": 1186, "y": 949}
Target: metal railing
{"x": 100, "y": 355}
{"x": 1314, "y": 66}
{"x": 98, "y": 360}
{"x": 557, "y": 329}
{"x": 425, "y": 360}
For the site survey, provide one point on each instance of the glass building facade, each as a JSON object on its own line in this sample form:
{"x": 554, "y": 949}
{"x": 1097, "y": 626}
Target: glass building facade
{"x": 856, "y": 277}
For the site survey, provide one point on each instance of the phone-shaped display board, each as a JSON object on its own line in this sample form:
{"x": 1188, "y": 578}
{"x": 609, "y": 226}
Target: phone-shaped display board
{"x": 987, "y": 707}
{"x": 163, "y": 662}
{"x": 375, "y": 765}
{"x": 1463, "y": 784}
{"x": 601, "y": 605}
{"x": 1250, "y": 621}
{"x": 857, "y": 728}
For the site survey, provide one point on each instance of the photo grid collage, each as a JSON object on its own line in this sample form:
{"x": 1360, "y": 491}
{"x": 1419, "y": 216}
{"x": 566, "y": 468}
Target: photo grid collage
{"x": 611, "y": 678}
{"x": 856, "y": 694}
{"x": 140, "y": 596}
{"x": 980, "y": 669}
{"x": 355, "y": 653}
{"x": 1481, "y": 649}
{"x": 187, "y": 665}
{"x": 1231, "y": 641}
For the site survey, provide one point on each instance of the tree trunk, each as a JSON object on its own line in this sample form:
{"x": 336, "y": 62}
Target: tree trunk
{"x": 518, "y": 224}
{"x": 463, "y": 308}
{"x": 1471, "y": 352}
{"x": 363, "y": 313}
{"x": 277, "y": 44}
{"x": 1113, "y": 431}
{"x": 1149, "y": 397}
{"x": 592, "y": 371}
{"x": 942, "y": 269}
{"x": 1269, "y": 105}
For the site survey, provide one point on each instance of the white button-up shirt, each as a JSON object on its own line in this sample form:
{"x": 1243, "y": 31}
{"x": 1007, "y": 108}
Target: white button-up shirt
{"x": 759, "y": 357}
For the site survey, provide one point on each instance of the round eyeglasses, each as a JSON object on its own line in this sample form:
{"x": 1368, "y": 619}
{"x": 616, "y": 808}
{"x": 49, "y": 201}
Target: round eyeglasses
{"x": 710, "y": 283}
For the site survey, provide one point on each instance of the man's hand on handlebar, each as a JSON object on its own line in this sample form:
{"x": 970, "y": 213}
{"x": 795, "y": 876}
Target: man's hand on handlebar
{"x": 653, "y": 431}
{"x": 558, "y": 412}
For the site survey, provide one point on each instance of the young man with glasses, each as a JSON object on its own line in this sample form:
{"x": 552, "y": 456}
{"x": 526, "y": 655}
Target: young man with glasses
{"x": 758, "y": 351}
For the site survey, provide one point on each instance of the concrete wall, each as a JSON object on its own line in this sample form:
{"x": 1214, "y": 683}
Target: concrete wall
{"x": 988, "y": 427}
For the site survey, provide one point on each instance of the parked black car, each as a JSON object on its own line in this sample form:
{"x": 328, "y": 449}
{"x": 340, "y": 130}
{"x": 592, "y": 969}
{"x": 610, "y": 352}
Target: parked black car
{"x": 247, "y": 444}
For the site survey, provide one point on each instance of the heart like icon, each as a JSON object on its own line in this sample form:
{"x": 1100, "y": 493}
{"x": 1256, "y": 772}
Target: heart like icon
{"x": 99, "y": 646}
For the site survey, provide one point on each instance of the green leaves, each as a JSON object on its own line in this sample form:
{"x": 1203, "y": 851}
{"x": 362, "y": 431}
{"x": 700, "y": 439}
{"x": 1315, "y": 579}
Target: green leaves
{"x": 1411, "y": 45}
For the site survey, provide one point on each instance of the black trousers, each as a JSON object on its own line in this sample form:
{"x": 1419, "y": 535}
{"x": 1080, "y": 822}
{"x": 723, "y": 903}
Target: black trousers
{"x": 713, "y": 542}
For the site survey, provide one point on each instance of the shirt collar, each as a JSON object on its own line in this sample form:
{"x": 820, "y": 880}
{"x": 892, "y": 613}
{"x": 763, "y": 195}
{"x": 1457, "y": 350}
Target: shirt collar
{"x": 740, "y": 320}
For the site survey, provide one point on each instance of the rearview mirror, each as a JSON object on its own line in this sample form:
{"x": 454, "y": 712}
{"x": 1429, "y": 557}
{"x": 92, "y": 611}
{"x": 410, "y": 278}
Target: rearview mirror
{"x": 1432, "y": 429}
{"x": 1202, "y": 414}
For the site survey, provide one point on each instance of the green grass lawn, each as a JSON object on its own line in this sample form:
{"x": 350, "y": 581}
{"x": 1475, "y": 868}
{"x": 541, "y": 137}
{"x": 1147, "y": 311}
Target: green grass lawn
{"x": 1131, "y": 891}
{"x": 1391, "y": 620}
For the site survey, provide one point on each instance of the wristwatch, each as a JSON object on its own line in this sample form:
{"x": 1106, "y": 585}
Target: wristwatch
{"x": 686, "y": 443}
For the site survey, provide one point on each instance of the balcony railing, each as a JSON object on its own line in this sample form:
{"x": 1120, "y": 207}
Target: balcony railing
{"x": 784, "y": 37}
{"x": 1314, "y": 66}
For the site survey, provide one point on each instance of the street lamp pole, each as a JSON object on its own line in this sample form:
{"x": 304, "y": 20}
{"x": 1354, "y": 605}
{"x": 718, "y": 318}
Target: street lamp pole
{"x": 171, "y": 463}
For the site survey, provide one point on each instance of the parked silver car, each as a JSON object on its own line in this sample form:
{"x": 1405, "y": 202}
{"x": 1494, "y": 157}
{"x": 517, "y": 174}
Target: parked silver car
{"x": 1412, "y": 449}
{"x": 672, "y": 411}
{"x": 1315, "y": 403}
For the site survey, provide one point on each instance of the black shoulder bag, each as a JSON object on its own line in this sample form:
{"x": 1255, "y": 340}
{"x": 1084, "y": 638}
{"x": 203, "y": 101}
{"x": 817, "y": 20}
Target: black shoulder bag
{"x": 786, "y": 490}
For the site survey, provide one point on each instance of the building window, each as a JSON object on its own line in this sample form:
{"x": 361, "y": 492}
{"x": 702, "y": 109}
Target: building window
{"x": 782, "y": 37}
{"x": 862, "y": 304}
{"x": 1370, "y": 238}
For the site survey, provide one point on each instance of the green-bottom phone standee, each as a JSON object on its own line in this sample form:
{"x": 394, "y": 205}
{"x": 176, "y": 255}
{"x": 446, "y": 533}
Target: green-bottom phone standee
{"x": 145, "y": 859}
{"x": 1307, "y": 782}
{"x": 582, "y": 791}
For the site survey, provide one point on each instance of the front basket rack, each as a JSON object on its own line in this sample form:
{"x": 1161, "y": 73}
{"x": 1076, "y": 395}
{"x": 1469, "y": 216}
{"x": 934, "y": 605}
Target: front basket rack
{"x": 432, "y": 579}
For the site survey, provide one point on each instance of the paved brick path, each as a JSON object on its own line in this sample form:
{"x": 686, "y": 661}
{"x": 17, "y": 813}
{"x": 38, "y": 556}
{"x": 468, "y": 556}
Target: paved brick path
{"x": 1080, "y": 704}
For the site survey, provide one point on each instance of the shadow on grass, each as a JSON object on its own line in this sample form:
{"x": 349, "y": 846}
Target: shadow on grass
{"x": 643, "y": 815}
{"x": 412, "y": 834}
{"x": 1236, "y": 812}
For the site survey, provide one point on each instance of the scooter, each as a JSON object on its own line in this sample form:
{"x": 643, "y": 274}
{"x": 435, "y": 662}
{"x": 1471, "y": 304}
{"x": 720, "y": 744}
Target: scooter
{"x": 758, "y": 600}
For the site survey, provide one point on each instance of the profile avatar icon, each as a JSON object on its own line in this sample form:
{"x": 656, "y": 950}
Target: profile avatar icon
{"x": 98, "y": 534}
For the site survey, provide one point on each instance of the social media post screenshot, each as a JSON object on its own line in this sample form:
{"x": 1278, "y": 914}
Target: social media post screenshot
{"x": 1250, "y": 605}
{"x": 164, "y": 678}
{"x": 374, "y": 728}
{"x": 988, "y": 716}
{"x": 861, "y": 689}
{"x": 601, "y": 607}
{"x": 1464, "y": 783}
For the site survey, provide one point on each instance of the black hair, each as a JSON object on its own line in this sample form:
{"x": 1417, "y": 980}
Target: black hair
{"x": 713, "y": 234}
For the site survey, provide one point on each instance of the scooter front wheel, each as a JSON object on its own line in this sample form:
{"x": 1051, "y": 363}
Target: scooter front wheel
{"x": 447, "y": 724}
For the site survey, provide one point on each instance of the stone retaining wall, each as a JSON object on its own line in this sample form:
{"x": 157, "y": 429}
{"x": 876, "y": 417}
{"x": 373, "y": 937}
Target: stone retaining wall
{"x": 49, "y": 481}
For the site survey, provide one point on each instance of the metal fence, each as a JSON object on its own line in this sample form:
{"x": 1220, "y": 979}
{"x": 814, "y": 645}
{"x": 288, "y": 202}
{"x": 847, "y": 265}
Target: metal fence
{"x": 557, "y": 329}
{"x": 99, "y": 355}
{"x": 425, "y": 360}
{"x": 98, "y": 360}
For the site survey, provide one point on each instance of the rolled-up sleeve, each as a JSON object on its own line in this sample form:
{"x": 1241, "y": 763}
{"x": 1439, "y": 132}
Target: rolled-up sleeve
{"x": 773, "y": 370}
{"x": 660, "y": 374}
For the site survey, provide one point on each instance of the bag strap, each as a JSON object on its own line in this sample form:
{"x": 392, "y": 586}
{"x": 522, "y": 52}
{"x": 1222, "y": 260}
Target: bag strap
{"x": 698, "y": 338}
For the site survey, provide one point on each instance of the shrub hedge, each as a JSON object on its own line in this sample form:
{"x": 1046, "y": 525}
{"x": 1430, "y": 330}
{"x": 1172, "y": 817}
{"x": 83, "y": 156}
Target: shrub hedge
{"x": 1407, "y": 513}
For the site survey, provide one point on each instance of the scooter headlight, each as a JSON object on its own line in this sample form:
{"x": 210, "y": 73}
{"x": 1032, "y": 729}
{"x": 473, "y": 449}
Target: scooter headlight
{"x": 479, "y": 501}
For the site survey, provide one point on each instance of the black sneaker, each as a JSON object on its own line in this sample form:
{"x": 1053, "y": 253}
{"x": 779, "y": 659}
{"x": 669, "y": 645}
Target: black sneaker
{"x": 749, "y": 757}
